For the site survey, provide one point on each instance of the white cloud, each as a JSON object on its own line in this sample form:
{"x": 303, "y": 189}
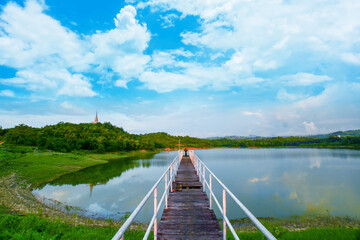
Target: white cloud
{"x": 264, "y": 65}
{"x": 309, "y": 126}
{"x": 333, "y": 109}
{"x": 125, "y": 19}
{"x": 121, "y": 49}
{"x": 121, "y": 83}
{"x": 167, "y": 81}
{"x": 161, "y": 59}
{"x": 168, "y": 20}
{"x": 28, "y": 35}
{"x": 256, "y": 114}
{"x": 59, "y": 81}
{"x": 50, "y": 57}
{"x": 305, "y": 79}
{"x": 284, "y": 95}
{"x": 166, "y": 72}
{"x": 7, "y": 93}
{"x": 351, "y": 58}
{"x": 44, "y": 52}
{"x": 238, "y": 64}
{"x": 273, "y": 31}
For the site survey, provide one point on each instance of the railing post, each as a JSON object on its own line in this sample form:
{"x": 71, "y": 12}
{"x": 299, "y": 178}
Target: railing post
{"x": 210, "y": 180}
{"x": 166, "y": 190}
{"x": 199, "y": 171}
{"x": 171, "y": 177}
{"x": 224, "y": 210}
{"x": 173, "y": 167}
{"x": 197, "y": 166}
{"x": 155, "y": 213}
{"x": 203, "y": 178}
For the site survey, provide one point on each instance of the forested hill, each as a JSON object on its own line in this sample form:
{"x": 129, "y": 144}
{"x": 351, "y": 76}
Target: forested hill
{"x": 105, "y": 137}
{"x": 349, "y": 133}
{"x": 102, "y": 137}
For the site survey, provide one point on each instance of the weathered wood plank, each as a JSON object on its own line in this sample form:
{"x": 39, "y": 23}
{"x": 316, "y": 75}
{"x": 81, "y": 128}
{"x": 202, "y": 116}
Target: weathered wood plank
{"x": 188, "y": 215}
{"x": 188, "y": 237}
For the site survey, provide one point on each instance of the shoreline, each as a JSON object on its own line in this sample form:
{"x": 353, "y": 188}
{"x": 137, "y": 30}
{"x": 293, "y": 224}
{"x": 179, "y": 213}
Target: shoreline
{"x": 16, "y": 196}
{"x": 274, "y": 147}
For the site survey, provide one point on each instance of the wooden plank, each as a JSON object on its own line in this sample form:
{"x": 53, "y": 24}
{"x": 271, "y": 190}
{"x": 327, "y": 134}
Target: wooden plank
{"x": 188, "y": 215}
{"x": 188, "y": 237}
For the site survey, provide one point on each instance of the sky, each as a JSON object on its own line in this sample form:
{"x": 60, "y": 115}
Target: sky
{"x": 193, "y": 67}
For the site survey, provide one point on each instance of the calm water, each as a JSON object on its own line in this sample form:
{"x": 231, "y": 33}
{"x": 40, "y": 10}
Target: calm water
{"x": 270, "y": 182}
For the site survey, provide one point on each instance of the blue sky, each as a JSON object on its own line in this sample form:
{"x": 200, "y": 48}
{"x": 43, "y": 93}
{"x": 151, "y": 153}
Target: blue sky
{"x": 193, "y": 67}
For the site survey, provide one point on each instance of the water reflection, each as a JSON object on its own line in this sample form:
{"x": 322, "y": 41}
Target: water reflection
{"x": 110, "y": 190}
{"x": 101, "y": 174}
{"x": 286, "y": 182}
{"x": 270, "y": 182}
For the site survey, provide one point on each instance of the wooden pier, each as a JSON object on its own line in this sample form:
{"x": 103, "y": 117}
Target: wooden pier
{"x": 188, "y": 215}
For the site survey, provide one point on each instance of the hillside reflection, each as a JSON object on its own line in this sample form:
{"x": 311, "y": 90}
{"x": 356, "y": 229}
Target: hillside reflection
{"x": 101, "y": 174}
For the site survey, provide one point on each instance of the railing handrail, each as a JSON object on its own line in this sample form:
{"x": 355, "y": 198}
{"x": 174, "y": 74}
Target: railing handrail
{"x": 120, "y": 233}
{"x": 198, "y": 163}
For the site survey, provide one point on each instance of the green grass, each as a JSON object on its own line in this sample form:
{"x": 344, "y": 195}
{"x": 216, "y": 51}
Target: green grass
{"x": 34, "y": 227}
{"x": 37, "y": 167}
{"x": 309, "y": 234}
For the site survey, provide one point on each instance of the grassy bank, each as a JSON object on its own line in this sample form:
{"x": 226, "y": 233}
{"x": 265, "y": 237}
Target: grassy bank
{"x": 34, "y": 227}
{"x": 23, "y": 216}
{"x": 309, "y": 234}
{"x": 37, "y": 167}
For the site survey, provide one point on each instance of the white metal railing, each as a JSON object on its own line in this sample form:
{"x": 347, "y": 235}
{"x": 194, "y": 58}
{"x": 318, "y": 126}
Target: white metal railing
{"x": 200, "y": 168}
{"x": 171, "y": 172}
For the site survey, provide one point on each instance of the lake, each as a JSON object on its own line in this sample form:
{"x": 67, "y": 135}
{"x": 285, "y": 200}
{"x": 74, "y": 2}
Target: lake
{"x": 269, "y": 182}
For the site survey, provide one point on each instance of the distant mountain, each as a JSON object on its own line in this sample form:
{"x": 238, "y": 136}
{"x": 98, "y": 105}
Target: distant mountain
{"x": 349, "y": 133}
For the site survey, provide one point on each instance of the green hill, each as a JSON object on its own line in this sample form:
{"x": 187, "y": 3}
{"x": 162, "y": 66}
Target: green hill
{"x": 349, "y": 133}
{"x": 100, "y": 137}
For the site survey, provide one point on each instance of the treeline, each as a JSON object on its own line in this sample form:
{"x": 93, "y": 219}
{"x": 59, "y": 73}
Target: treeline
{"x": 101, "y": 137}
{"x": 332, "y": 141}
{"x": 105, "y": 137}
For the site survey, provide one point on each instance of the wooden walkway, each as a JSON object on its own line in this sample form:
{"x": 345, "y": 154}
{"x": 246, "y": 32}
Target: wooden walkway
{"x": 188, "y": 215}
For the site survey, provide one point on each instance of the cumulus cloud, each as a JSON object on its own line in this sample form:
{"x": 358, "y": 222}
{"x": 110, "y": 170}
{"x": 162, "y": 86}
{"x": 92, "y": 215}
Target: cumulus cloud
{"x": 28, "y": 35}
{"x": 60, "y": 81}
{"x": 171, "y": 70}
{"x": 50, "y": 57}
{"x": 272, "y": 31}
{"x": 121, "y": 49}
